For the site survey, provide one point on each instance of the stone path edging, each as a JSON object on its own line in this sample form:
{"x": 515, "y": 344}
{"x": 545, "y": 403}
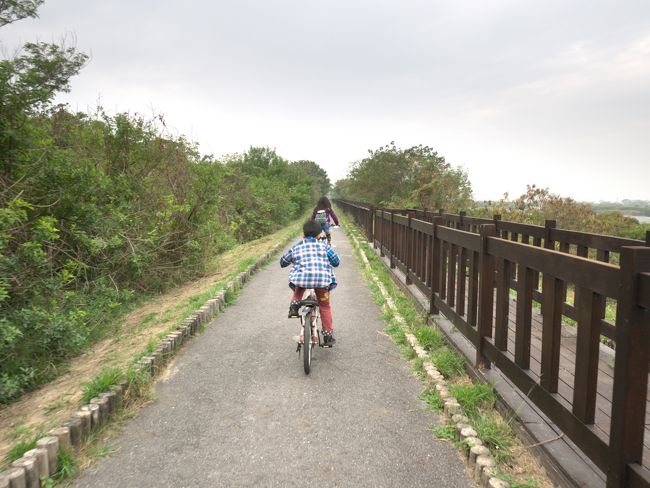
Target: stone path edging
{"x": 478, "y": 457}
{"x": 42, "y": 462}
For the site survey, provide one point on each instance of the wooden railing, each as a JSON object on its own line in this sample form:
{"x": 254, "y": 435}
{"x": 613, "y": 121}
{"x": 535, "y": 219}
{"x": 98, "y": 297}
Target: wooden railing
{"x": 468, "y": 267}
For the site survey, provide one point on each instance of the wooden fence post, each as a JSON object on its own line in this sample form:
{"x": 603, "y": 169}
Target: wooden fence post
{"x": 391, "y": 250}
{"x": 371, "y": 233}
{"x": 409, "y": 251}
{"x": 382, "y": 234}
{"x": 547, "y": 281}
{"x": 631, "y": 368}
{"x": 485, "y": 294}
{"x": 435, "y": 266}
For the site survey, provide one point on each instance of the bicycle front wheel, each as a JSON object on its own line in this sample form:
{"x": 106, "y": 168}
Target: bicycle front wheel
{"x": 307, "y": 344}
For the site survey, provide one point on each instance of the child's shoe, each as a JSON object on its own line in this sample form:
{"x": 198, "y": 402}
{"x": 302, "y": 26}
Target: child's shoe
{"x": 328, "y": 339}
{"x": 293, "y": 308}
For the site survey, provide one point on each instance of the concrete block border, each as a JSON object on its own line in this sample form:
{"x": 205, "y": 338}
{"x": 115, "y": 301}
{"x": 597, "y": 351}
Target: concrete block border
{"x": 40, "y": 463}
{"x": 478, "y": 458}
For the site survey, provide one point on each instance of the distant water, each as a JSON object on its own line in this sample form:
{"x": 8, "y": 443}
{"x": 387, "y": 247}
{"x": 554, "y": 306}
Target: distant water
{"x": 641, "y": 218}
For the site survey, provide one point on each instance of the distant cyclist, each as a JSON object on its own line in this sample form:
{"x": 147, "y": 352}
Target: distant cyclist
{"x": 323, "y": 214}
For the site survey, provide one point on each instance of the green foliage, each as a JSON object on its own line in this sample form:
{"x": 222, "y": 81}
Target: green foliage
{"x": 413, "y": 177}
{"x": 539, "y": 204}
{"x": 68, "y": 467}
{"x": 97, "y": 211}
{"x": 429, "y": 338}
{"x": 101, "y": 383}
{"x": 445, "y": 432}
{"x": 433, "y": 400}
{"x": 396, "y": 332}
{"x": 448, "y": 362}
{"x": 474, "y": 397}
{"x": 496, "y": 435}
{"x": 20, "y": 448}
{"x": 517, "y": 483}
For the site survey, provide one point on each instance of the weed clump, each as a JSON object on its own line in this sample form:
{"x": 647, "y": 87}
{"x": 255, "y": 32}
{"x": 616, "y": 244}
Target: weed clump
{"x": 101, "y": 383}
{"x": 429, "y": 338}
{"x": 448, "y": 362}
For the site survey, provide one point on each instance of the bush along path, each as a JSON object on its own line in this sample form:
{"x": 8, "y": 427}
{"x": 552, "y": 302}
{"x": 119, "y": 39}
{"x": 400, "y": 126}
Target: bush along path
{"x": 50, "y": 458}
{"x": 486, "y": 441}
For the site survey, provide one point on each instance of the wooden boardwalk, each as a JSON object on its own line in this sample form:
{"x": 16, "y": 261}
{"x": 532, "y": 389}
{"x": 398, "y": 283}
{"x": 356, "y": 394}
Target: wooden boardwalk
{"x": 567, "y": 376}
{"x": 572, "y": 462}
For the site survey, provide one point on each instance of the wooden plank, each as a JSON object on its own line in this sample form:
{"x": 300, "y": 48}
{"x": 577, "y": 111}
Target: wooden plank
{"x": 472, "y": 298}
{"x": 599, "y": 277}
{"x": 459, "y": 237}
{"x": 451, "y": 275}
{"x": 583, "y": 436}
{"x": 462, "y": 280}
{"x": 518, "y": 228}
{"x": 486, "y": 294}
{"x": 422, "y": 226}
{"x": 442, "y": 284}
{"x": 503, "y": 304}
{"x": 631, "y": 371}
{"x": 593, "y": 241}
{"x": 524, "y": 316}
{"x": 551, "y": 333}
{"x": 637, "y": 476}
{"x": 588, "y": 305}
{"x": 643, "y": 298}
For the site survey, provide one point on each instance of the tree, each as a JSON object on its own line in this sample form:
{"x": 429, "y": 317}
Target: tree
{"x": 13, "y": 10}
{"x": 413, "y": 177}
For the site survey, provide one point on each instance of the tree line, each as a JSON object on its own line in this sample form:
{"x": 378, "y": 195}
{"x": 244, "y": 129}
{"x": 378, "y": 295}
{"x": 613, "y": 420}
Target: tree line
{"x": 419, "y": 177}
{"x": 98, "y": 210}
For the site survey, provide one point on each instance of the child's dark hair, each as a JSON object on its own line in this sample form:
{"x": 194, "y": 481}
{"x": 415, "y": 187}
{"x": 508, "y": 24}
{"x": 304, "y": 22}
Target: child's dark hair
{"x": 323, "y": 203}
{"x": 311, "y": 229}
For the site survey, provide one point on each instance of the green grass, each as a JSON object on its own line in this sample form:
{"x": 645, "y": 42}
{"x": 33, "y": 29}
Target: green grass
{"x": 496, "y": 435}
{"x": 101, "y": 383}
{"x": 429, "y": 338}
{"x": 448, "y": 362}
{"x": 68, "y": 469}
{"x": 416, "y": 365}
{"x": 516, "y": 483}
{"x": 474, "y": 397}
{"x": 20, "y": 448}
{"x": 445, "y": 432}
{"x": 432, "y": 399}
{"x": 20, "y": 431}
{"x": 102, "y": 451}
{"x": 396, "y": 332}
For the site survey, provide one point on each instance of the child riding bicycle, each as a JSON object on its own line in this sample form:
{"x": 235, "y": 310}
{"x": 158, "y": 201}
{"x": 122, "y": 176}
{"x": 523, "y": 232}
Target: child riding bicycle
{"x": 323, "y": 214}
{"x": 312, "y": 262}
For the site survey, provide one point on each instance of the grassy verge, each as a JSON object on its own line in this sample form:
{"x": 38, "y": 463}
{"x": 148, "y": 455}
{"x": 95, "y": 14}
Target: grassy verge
{"x": 515, "y": 464}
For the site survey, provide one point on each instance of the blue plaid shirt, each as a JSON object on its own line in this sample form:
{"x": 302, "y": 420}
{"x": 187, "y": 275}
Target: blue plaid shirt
{"x": 312, "y": 262}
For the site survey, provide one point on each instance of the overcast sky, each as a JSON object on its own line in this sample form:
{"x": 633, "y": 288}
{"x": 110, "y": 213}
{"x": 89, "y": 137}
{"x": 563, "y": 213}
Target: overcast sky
{"x": 551, "y": 92}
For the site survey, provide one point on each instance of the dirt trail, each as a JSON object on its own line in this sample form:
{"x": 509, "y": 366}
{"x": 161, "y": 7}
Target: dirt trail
{"x": 53, "y": 403}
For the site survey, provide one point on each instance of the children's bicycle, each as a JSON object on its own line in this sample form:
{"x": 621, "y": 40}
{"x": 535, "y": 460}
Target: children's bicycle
{"x": 311, "y": 333}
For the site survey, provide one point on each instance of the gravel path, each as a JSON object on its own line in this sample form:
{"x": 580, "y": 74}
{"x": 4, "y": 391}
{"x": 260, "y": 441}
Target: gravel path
{"x": 236, "y": 408}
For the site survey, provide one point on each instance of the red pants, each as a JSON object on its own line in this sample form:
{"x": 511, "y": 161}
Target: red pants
{"x": 324, "y": 305}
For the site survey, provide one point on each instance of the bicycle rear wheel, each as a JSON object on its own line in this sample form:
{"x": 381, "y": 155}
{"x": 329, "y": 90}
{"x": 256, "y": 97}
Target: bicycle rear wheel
{"x": 307, "y": 344}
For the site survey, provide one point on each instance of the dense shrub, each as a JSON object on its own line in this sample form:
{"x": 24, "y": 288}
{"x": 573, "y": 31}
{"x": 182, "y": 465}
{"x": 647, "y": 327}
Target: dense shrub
{"x": 98, "y": 210}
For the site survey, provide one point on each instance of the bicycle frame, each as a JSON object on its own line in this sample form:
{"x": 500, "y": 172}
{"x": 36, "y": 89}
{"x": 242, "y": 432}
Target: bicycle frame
{"x": 314, "y": 311}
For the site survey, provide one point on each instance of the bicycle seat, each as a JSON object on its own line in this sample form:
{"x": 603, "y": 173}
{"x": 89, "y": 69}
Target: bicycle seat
{"x": 309, "y": 303}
